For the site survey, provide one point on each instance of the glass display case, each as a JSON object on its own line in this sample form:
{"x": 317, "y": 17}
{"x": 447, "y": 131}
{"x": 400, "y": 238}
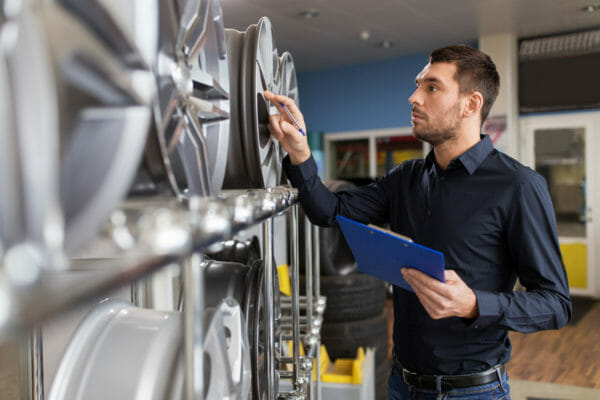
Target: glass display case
{"x": 362, "y": 156}
{"x": 349, "y": 159}
{"x": 393, "y": 150}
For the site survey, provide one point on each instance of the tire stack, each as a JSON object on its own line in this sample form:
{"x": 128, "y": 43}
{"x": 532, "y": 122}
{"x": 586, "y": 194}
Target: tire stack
{"x": 355, "y": 314}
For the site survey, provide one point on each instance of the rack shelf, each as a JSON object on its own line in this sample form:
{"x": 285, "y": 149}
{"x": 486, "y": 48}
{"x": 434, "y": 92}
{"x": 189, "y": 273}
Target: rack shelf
{"x": 145, "y": 235}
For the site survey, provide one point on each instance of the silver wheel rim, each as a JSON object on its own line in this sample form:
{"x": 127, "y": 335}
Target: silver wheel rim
{"x": 263, "y": 63}
{"x": 288, "y": 86}
{"x": 258, "y": 325}
{"x": 89, "y": 90}
{"x": 227, "y": 354}
{"x": 101, "y": 339}
{"x": 192, "y": 106}
{"x": 106, "y": 87}
{"x": 256, "y": 162}
{"x": 29, "y": 188}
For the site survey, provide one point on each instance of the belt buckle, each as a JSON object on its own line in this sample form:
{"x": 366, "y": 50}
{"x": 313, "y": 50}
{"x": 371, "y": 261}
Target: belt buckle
{"x": 446, "y": 385}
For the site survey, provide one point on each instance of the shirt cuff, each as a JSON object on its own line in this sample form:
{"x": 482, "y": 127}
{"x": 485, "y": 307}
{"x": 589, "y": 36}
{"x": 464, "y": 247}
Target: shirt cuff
{"x": 298, "y": 174}
{"x": 488, "y": 307}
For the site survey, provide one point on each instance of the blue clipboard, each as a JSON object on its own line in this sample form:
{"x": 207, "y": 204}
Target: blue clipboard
{"x": 381, "y": 253}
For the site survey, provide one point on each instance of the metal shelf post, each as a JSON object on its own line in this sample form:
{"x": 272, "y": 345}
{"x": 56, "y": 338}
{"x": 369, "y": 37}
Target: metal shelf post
{"x": 317, "y": 268}
{"x": 295, "y": 295}
{"x": 193, "y": 311}
{"x": 269, "y": 315}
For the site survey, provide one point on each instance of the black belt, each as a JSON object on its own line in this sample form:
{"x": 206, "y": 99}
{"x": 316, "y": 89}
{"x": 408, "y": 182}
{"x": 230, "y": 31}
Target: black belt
{"x": 448, "y": 382}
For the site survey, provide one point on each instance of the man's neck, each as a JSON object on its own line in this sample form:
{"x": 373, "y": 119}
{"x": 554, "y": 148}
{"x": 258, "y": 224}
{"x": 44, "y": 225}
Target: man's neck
{"x": 454, "y": 147}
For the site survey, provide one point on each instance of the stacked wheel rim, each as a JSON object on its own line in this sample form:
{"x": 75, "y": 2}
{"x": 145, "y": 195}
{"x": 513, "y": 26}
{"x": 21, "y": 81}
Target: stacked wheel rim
{"x": 74, "y": 68}
{"x": 288, "y": 84}
{"x": 188, "y": 151}
{"x": 255, "y": 157}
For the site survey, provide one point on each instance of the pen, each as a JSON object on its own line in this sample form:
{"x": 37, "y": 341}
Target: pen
{"x": 289, "y": 114}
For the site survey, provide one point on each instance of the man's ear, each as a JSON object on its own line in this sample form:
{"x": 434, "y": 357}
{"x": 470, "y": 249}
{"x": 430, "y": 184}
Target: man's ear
{"x": 473, "y": 104}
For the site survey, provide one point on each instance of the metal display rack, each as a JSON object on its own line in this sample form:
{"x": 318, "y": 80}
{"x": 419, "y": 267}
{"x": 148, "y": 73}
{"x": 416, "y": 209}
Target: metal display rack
{"x": 159, "y": 74}
{"x": 152, "y": 234}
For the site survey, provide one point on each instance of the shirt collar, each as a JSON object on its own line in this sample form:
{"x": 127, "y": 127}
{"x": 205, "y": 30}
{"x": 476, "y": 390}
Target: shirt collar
{"x": 470, "y": 159}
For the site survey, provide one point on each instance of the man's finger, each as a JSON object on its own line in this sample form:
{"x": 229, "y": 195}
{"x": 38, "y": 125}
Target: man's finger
{"x": 277, "y": 100}
{"x": 421, "y": 277}
{"x": 428, "y": 286}
{"x": 289, "y": 129}
{"x": 274, "y": 127}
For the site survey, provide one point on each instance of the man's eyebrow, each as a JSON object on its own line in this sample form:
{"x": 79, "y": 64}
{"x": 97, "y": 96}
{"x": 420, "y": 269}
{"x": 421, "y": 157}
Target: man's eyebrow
{"x": 431, "y": 79}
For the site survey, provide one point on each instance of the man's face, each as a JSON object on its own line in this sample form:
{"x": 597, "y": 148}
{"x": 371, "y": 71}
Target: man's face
{"x": 436, "y": 105}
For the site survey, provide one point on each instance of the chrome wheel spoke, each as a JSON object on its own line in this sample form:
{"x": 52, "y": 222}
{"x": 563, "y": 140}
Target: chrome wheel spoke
{"x": 189, "y": 12}
{"x": 194, "y": 149}
{"x": 168, "y": 99}
{"x": 100, "y": 21}
{"x": 193, "y": 28}
{"x": 207, "y": 97}
{"x": 173, "y": 131}
{"x": 169, "y": 29}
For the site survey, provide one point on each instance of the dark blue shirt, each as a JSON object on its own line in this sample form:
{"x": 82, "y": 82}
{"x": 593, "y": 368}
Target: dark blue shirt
{"x": 493, "y": 220}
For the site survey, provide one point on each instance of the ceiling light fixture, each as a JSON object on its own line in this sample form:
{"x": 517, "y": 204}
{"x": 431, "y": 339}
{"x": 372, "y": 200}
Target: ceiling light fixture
{"x": 365, "y": 35}
{"x": 310, "y": 13}
{"x": 385, "y": 44}
{"x": 591, "y": 8}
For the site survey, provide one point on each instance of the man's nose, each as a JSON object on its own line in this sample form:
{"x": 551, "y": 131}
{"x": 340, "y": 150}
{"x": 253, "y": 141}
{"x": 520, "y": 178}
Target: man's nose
{"x": 415, "y": 98}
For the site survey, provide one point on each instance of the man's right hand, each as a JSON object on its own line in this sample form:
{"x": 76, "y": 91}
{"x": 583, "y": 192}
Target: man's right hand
{"x": 285, "y": 132}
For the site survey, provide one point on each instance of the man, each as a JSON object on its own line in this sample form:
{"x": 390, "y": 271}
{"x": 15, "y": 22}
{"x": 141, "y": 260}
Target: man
{"x": 490, "y": 216}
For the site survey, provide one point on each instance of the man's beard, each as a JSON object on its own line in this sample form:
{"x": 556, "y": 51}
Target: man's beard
{"x": 437, "y": 132}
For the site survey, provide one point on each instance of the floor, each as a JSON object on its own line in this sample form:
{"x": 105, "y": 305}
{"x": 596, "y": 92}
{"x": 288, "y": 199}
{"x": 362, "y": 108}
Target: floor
{"x": 570, "y": 356}
{"x": 9, "y": 372}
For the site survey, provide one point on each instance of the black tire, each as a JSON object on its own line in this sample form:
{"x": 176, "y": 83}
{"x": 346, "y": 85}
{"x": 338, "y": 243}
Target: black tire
{"x": 382, "y": 374}
{"x": 336, "y": 258}
{"x": 352, "y": 297}
{"x": 342, "y": 339}
{"x": 224, "y": 279}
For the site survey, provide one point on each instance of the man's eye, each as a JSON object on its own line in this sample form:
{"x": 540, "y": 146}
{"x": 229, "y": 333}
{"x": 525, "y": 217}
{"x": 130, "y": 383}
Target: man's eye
{"x": 433, "y": 89}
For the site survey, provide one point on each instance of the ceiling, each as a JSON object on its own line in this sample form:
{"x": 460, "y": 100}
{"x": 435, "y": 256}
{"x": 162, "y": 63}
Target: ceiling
{"x": 412, "y": 26}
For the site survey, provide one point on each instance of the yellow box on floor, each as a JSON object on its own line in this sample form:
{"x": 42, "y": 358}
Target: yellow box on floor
{"x": 343, "y": 370}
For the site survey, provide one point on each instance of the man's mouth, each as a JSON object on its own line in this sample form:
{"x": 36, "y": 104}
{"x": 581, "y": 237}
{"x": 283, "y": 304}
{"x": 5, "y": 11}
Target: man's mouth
{"x": 415, "y": 116}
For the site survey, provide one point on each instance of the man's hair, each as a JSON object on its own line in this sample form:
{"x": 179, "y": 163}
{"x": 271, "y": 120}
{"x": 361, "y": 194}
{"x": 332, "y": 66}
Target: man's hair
{"x": 475, "y": 71}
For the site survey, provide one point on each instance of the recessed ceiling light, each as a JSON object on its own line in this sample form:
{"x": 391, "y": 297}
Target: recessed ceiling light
{"x": 591, "y": 8}
{"x": 386, "y": 44}
{"x": 365, "y": 35}
{"x": 310, "y": 13}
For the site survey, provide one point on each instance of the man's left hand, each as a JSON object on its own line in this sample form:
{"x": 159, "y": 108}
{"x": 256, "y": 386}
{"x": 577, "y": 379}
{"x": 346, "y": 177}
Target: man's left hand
{"x": 452, "y": 298}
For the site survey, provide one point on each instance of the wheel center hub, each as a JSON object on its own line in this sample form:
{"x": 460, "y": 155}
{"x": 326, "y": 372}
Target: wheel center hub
{"x": 183, "y": 79}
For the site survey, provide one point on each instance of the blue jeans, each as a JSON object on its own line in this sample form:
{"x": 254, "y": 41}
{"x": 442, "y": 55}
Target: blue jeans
{"x": 400, "y": 390}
